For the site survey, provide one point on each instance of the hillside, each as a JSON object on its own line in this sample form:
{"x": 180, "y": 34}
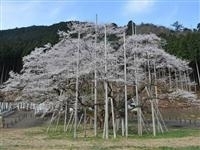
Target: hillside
{"x": 16, "y": 43}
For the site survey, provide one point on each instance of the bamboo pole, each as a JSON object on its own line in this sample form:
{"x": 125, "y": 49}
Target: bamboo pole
{"x": 181, "y": 80}
{"x": 65, "y": 120}
{"x": 77, "y": 76}
{"x": 151, "y": 99}
{"x": 149, "y": 71}
{"x": 73, "y": 120}
{"x": 80, "y": 120}
{"x": 188, "y": 80}
{"x": 66, "y": 115}
{"x": 106, "y": 91}
{"x": 85, "y": 121}
{"x": 161, "y": 118}
{"x": 57, "y": 121}
{"x": 50, "y": 122}
{"x": 156, "y": 93}
{"x": 152, "y": 111}
{"x": 175, "y": 75}
{"x": 153, "y": 118}
{"x": 125, "y": 90}
{"x": 122, "y": 122}
{"x": 113, "y": 118}
{"x": 155, "y": 82}
{"x": 139, "y": 117}
{"x": 95, "y": 83}
{"x": 159, "y": 125}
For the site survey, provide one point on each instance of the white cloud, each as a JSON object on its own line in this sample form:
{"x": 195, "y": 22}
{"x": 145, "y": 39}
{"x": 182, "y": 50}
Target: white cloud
{"x": 138, "y": 6}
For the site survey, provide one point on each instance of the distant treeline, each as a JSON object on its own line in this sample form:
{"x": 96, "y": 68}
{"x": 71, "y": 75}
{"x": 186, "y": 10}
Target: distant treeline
{"x": 16, "y": 43}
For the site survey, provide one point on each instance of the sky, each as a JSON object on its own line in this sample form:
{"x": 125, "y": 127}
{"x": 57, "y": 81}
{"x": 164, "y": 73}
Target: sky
{"x": 23, "y": 13}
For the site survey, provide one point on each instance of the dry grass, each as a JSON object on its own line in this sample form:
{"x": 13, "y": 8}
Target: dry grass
{"x": 37, "y": 138}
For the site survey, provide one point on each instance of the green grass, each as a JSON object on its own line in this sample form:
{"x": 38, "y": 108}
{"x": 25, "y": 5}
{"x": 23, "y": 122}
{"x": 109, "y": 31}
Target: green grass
{"x": 180, "y": 148}
{"x": 172, "y": 133}
{"x": 60, "y": 134}
{"x": 64, "y": 140}
{"x": 178, "y": 133}
{"x": 2, "y": 148}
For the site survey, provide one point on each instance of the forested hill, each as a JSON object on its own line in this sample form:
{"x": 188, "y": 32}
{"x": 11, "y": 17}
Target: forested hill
{"x": 16, "y": 43}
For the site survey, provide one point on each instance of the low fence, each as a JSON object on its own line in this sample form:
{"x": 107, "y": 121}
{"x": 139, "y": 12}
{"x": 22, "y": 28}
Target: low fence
{"x": 16, "y": 117}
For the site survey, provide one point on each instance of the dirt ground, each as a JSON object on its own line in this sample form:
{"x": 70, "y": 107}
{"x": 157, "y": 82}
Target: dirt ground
{"x": 25, "y": 136}
{"x": 36, "y": 138}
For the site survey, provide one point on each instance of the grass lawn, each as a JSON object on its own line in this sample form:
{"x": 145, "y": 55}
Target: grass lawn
{"x": 37, "y": 138}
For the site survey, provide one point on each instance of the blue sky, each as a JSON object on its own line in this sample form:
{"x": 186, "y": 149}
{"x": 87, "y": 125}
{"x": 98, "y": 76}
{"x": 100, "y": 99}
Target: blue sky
{"x": 20, "y": 13}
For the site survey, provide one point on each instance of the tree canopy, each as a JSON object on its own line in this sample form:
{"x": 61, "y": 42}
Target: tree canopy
{"x": 19, "y": 42}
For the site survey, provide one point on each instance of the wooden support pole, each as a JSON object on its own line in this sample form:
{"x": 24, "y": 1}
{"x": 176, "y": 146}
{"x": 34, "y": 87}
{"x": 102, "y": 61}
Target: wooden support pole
{"x": 65, "y": 120}
{"x": 161, "y": 118}
{"x": 106, "y": 91}
{"x": 71, "y": 116}
{"x": 125, "y": 90}
{"x": 80, "y": 120}
{"x": 85, "y": 122}
{"x": 77, "y": 80}
{"x": 152, "y": 110}
{"x": 52, "y": 118}
{"x": 153, "y": 118}
{"x": 122, "y": 122}
{"x": 185, "y": 81}
{"x": 57, "y": 123}
{"x": 73, "y": 120}
{"x": 139, "y": 117}
{"x": 175, "y": 75}
{"x": 95, "y": 83}
{"x": 155, "y": 82}
{"x": 188, "y": 80}
{"x": 113, "y": 118}
{"x": 181, "y": 80}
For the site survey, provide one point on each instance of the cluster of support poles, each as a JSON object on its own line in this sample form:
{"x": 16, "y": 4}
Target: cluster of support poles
{"x": 158, "y": 124}
{"x": 73, "y": 119}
